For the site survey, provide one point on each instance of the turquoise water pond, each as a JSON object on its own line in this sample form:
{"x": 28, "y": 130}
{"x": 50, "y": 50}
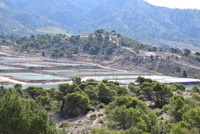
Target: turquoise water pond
{"x": 30, "y": 65}
{"x": 64, "y": 64}
{"x": 18, "y": 59}
{"x": 8, "y": 67}
{"x": 34, "y": 76}
{"x": 82, "y": 72}
{"x": 73, "y": 71}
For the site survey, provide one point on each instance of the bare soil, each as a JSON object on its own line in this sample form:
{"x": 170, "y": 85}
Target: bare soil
{"x": 84, "y": 123}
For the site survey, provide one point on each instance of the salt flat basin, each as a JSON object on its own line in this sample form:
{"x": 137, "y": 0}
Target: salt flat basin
{"x": 92, "y": 73}
{"x": 81, "y": 70}
{"x": 64, "y": 64}
{"x": 30, "y": 64}
{"x": 18, "y": 59}
{"x": 8, "y": 67}
{"x": 34, "y": 76}
{"x": 170, "y": 80}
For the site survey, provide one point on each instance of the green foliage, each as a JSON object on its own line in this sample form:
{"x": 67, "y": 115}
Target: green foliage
{"x": 179, "y": 105}
{"x": 76, "y": 104}
{"x": 84, "y": 84}
{"x": 64, "y": 124}
{"x": 175, "y": 129}
{"x": 196, "y": 97}
{"x": 156, "y": 92}
{"x": 39, "y": 94}
{"x": 186, "y": 52}
{"x": 141, "y": 80}
{"x": 97, "y": 43}
{"x": 3, "y": 91}
{"x": 196, "y": 89}
{"x": 197, "y": 53}
{"x": 34, "y": 92}
{"x": 176, "y": 50}
{"x": 121, "y": 91}
{"x": 90, "y": 91}
{"x": 63, "y": 90}
{"x": 22, "y": 116}
{"x": 101, "y": 105}
{"x": 133, "y": 88}
{"x": 45, "y": 101}
{"x": 176, "y": 87}
{"x": 77, "y": 80}
{"x": 18, "y": 86}
{"x": 178, "y": 69}
{"x": 104, "y": 130}
{"x": 93, "y": 116}
{"x": 184, "y": 74}
{"x": 125, "y": 112}
{"x": 43, "y": 53}
{"x": 105, "y": 93}
{"x": 192, "y": 118}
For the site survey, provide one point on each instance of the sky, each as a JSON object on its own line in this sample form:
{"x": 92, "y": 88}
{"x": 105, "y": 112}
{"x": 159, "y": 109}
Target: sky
{"x": 183, "y": 4}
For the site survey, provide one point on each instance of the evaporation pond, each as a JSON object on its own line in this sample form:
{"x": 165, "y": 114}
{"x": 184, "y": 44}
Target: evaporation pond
{"x": 82, "y": 72}
{"x": 31, "y": 65}
{"x": 65, "y": 64}
{"x": 18, "y": 59}
{"x": 34, "y": 76}
{"x": 8, "y": 67}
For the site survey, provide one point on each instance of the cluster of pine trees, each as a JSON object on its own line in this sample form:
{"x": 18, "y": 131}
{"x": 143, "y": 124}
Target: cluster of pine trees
{"x": 26, "y": 111}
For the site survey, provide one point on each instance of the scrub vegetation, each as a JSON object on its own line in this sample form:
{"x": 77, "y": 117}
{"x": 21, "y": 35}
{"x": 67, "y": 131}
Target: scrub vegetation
{"x": 127, "y": 110}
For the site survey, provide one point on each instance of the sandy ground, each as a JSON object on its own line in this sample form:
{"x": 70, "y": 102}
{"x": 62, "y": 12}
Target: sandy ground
{"x": 83, "y": 124}
{"x": 4, "y": 79}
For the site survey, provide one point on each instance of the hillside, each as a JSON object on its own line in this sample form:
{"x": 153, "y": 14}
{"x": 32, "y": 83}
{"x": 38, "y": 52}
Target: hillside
{"x": 109, "y": 49}
{"x": 136, "y": 19}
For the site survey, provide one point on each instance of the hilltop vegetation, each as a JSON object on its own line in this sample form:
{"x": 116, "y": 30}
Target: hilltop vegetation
{"x": 99, "y": 43}
{"x": 136, "y": 19}
{"x": 125, "y": 109}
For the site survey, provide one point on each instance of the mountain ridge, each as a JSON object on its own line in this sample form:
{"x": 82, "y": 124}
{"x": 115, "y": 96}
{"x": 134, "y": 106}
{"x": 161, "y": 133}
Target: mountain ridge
{"x": 136, "y": 19}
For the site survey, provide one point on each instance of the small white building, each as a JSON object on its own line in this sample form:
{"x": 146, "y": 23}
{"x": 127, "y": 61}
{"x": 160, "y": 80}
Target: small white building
{"x": 84, "y": 35}
{"x": 150, "y": 54}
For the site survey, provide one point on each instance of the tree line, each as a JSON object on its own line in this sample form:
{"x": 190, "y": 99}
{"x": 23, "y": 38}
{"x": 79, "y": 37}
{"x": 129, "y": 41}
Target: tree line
{"x": 26, "y": 111}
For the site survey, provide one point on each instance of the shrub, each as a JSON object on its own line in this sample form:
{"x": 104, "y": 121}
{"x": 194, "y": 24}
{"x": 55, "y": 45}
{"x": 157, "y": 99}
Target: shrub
{"x": 64, "y": 124}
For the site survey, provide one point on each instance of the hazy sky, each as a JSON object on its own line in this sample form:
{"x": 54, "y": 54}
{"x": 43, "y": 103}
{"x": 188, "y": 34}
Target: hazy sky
{"x": 194, "y": 4}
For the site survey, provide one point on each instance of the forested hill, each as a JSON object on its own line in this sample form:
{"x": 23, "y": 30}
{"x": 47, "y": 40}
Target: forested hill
{"x": 100, "y": 42}
{"x": 136, "y": 19}
{"x": 108, "y": 49}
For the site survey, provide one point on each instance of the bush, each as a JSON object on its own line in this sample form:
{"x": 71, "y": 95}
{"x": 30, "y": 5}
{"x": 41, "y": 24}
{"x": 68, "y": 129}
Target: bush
{"x": 93, "y": 116}
{"x": 23, "y": 116}
{"x": 100, "y": 106}
{"x": 101, "y": 121}
{"x": 105, "y": 93}
{"x": 158, "y": 111}
{"x": 125, "y": 112}
{"x": 100, "y": 114}
{"x": 76, "y": 104}
{"x": 92, "y": 109}
{"x": 195, "y": 89}
{"x": 64, "y": 124}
